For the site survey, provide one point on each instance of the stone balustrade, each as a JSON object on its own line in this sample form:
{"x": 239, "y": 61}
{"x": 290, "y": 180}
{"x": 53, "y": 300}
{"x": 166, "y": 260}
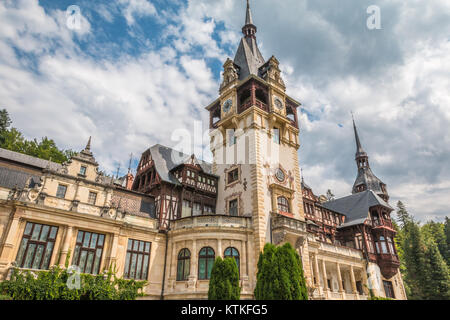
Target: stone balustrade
{"x": 346, "y": 251}
{"x": 212, "y": 221}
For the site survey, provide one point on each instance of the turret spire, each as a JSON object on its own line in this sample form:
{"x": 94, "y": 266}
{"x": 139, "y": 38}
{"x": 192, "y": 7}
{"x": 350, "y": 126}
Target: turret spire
{"x": 249, "y": 29}
{"x": 359, "y": 149}
{"x": 248, "y": 17}
{"x": 248, "y": 57}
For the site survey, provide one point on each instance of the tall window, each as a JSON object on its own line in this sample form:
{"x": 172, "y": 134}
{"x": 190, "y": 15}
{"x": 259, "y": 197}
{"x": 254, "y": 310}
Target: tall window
{"x": 61, "y": 192}
{"x": 197, "y": 209}
{"x": 388, "y": 289}
{"x": 233, "y": 253}
{"x": 184, "y": 265}
{"x": 234, "y": 210}
{"x": 208, "y": 209}
{"x": 391, "y": 245}
{"x": 186, "y": 210}
{"x": 136, "y": 263}
{"x": 88, "y": 251}
{"x": 92, "y": 197}
{"x": 205, "y": 263}
{"x": 276, "y": 135}
{"x": 231, "y": 137}
{"x": 36, "y": 247}
{"x": 382, "y": 243}
{"x": 283, "y": 204}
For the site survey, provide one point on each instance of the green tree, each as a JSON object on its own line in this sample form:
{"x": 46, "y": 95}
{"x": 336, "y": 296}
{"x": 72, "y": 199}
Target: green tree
{"x": 224, "y": 282}
{"x": 280, "y": 274}
{"x": 436, "y": 231}
{"x": 447, "y": 237}
{"x": 12, "y": 139}
{"x": 5, "y": 120}
{"x": 436, "y": 274}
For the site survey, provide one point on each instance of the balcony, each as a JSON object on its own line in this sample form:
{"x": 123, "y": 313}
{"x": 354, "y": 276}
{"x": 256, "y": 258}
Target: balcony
{"x": 285, "y": 222}
{"x": 339, "y": 250}
{"x": 212, "y": 221}
{"x": 382, "y": 224}
{"x": 389, "y": 264}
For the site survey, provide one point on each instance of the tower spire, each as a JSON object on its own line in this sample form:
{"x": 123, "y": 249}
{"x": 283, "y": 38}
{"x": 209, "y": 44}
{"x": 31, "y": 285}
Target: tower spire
{"x": 359, "y": 150}
{"x": 248, "y": 17}
{"x": 249, "y": 29}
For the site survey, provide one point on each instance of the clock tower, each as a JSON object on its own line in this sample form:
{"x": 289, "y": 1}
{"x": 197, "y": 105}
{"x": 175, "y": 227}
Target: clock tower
{"x": 255, "y": 142}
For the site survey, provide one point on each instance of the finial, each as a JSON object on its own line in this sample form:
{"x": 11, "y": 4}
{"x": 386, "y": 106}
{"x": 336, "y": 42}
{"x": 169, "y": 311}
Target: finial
{"x": 88, "y": 146}
{"x": 248, "y": 16}
{"x": 303, "y": 180}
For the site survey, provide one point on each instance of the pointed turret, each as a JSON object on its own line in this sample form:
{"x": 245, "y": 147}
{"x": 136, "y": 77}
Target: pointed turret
{"x": 366, "y": 179}
{"x": 248, "y": 57}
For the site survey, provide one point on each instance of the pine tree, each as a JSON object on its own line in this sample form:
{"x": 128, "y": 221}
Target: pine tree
{"x": 280, "y": 274}
{"x": 436, "y": 231}
{"x": 414, "y": 259}
{"x": 436, "y": 284}
{"x": 224, "y": 282}
{"x": 447, "y": 236}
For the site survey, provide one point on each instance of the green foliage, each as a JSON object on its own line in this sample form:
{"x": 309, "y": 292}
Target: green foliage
{"x": 436, "y": 284}
{"x": 280, "y": 274}
{"x": 12, "y": 139}
{"x": 52, "y": 285}
{"x": 379, "y": 298}
{"x": 224, "y": 282}
{"x": 435, "y": 231}
{"x": 422, "y": 252}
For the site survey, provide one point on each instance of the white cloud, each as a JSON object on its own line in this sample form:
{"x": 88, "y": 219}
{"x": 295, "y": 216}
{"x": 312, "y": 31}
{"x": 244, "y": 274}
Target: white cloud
{"x": 136, "y": 8}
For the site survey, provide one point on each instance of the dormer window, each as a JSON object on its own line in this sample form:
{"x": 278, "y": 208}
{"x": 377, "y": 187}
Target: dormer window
{"x": 83, "y": 170}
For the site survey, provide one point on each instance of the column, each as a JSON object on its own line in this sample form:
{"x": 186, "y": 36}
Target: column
{"x": 317, "y": 275}
{"x": 9, "y": 245}
{"x": 194, "y": 266}
{"x": 365, "y": 283}
{"x": 219, "y": 248}
{"x": 341, "y": 288}
{"x": 113, "y": 252}
{"x": 65, "y": 246}
{"x": 325, "y": 278}
{"x": 352, "y": 278}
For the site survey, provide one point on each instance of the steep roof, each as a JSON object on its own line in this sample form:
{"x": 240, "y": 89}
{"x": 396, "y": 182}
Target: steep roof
{"x": 28, "y": 160}
{"x": 10, "y": 178}
{"x": 356, "y": 206}
{"x": 248, "y": 57}
{"x": 369, "y": 179}
{"x": 166, "y": 159}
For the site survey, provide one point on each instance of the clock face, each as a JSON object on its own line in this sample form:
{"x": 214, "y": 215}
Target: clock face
{"x": 278, "y": 103}
{"x": 227, "y": 105}
{"x": 280, "y": 175}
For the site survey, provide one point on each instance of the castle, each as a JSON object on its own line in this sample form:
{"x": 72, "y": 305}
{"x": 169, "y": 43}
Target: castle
{"x": 169, "y": 222}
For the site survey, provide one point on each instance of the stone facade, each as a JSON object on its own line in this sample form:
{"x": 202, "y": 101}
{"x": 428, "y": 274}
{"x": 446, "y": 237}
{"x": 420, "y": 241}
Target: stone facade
{"x": 169, "y": 222}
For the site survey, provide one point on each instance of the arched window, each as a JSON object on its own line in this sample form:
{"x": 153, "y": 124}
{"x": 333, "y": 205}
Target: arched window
{"x": 233, "y": 253}
{"x": 184, "y": 265}
{"x": 283, "y": 204}
{"x": 205, "y": 263}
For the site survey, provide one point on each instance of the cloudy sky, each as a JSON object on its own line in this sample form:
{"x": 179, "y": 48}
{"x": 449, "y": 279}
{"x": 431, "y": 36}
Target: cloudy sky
{"x": 130, "y": 72}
